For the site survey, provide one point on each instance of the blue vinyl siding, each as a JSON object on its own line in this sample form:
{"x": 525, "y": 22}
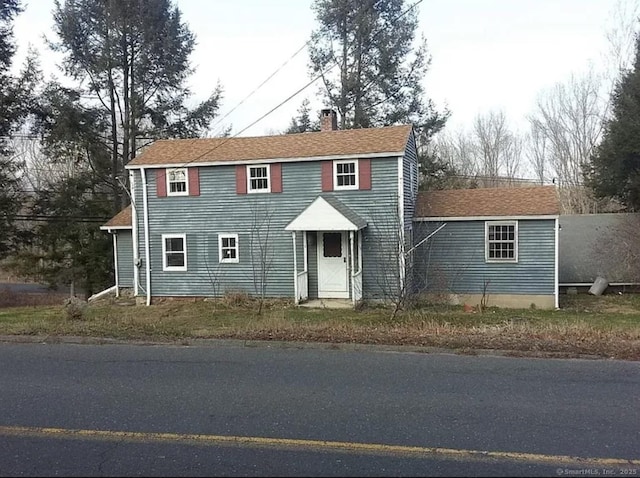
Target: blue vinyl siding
{"x": 410, "y": 181}
{"x": 453, "y": 261}
{"x": 410, "y": 194}
{"x": 124, "y": 251}
{"x": 260, "y": 218}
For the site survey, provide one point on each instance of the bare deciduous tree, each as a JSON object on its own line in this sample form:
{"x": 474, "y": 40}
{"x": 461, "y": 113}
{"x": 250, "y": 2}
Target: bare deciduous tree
{"x": 261, "y": 250}
{"x": 537, "y": 151}
{"x": 458, "y": 150}
{"x": 500, "y": 148}
{"x": 569, "y": 119}
{"x": 492, "y": 135}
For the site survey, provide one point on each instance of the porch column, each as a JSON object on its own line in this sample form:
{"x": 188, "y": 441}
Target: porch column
{"x": 353, "y": 269}
{"x": 305, "y": 266}
{"x": 295, "y": 267}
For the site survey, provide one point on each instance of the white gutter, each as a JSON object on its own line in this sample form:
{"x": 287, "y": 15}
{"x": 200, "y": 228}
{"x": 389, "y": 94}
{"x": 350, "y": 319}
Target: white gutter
{"x": 333, "y": 157}
{"x": 145, "y": 218}
{"x": 134, "y": 236}
{"x": 482, "y": 218}
{"x": 589, "y": 284}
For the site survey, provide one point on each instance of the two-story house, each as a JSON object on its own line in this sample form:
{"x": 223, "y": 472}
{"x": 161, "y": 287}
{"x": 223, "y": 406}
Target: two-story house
{"x": 327, "y": 215}
{"x": 312, "y": 215}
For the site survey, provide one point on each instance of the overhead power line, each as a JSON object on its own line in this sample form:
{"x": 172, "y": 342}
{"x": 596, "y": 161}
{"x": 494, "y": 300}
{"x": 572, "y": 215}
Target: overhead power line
{"x": 289, "y": 98}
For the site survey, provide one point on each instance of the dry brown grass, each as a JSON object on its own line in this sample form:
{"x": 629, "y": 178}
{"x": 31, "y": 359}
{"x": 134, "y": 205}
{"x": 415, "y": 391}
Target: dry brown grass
{"x": 605, "y": 327}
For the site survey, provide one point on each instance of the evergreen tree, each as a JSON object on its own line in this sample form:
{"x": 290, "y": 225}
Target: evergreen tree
{"x": 303, "y": 122}
{"x": 65, "y": 244}
{"x": 130, "y": 63}
{"x": 133, "y": 55}
{"x": 371, "y": 70}
{"x": 615, "y": 167}
{"x": 15, "y": 103}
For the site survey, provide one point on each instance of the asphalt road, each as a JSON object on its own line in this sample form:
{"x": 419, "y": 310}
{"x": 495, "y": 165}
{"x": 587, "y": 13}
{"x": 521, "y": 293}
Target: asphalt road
{"x": 30, "y": 288}
{"x": 226, "y": 410}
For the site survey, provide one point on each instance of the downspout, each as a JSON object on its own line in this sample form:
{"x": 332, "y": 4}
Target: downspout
{"x": 115, "y": 260}
{"x": 134, "y": 234}
{"x": 401, "y": 260}
{"x": 556, "y": 285}
{"x": 145, "y": 218}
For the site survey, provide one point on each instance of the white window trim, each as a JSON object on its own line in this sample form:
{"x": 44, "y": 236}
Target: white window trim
{"x": 486, "y": 241}
{"x": 186, "y": 179}
{"x": 250, "y": 190}
{"x": 166, "y": 267}
{"x": 228, "y": 236}
{"x": 335, "y": 175}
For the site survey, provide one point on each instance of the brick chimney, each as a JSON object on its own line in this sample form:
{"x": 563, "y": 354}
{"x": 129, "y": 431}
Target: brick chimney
{"x": 328, "y": 120}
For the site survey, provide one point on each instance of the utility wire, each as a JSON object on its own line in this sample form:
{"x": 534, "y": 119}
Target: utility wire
{"x": 261, "y": 84}
{"x": 316, "y": 78}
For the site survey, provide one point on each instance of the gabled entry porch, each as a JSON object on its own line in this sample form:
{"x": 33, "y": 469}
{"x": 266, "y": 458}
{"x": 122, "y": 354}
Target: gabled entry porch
{"x": 330, "y": 265}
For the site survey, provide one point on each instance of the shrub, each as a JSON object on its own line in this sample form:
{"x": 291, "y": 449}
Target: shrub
{"x": 75, "y": 308}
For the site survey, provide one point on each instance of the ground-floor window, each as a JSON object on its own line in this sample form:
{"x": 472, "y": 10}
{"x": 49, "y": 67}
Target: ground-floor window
{"x": 228, "y": 247}
{"x": 174, "y": 252}
{"x": 501, "y": 241}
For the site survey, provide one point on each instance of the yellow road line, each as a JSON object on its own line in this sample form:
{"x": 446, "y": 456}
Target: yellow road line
{"x": 314, "y": 445}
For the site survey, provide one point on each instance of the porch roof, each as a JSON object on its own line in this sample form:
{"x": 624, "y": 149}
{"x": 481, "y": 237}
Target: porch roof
{"x": 326, "y": 213}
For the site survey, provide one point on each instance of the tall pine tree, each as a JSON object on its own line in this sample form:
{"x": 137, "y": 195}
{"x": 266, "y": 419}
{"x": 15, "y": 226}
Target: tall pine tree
{"x": 133, "y": 57}
{"x": 614, "y": 171}
{"x": 372, "y": 68}
{"x": 371, "y": 65}
{"x": 15, "y": 103}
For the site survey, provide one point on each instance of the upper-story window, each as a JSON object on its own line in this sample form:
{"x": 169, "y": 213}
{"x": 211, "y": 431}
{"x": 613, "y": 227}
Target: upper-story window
{"x": 501, "y": 243}
{"x": 259, "y": 178}
{"x": 345, "y": 175}
{"x": 177, "y": 183}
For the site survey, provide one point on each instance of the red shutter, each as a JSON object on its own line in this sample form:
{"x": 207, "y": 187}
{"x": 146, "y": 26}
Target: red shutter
{"x": 327, "y": 175}
{"x": 276, "y": 178}
{"x": 241, "y": 179}
{"x": 194, "y": 181}
{"x": 161, "y": 182}
{"x": 364, "y": 173}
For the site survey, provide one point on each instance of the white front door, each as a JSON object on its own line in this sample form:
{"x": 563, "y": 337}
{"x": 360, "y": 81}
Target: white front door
{"x": 332, "y": 266}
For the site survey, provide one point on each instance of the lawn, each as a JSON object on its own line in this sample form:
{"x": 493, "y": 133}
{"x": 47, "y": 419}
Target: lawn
{"x": 585, "y": 326}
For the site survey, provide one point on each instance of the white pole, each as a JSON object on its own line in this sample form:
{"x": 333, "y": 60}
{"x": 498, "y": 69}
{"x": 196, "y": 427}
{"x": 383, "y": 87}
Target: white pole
{"x": 145, "y": 203}
{"x": 295, "y": 267}
{"x": 115, "y": 260}
{"x": 352, "y": 263}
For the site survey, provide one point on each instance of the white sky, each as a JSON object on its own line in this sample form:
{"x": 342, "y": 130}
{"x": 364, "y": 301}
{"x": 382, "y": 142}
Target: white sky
{"x": 486, "y": 54}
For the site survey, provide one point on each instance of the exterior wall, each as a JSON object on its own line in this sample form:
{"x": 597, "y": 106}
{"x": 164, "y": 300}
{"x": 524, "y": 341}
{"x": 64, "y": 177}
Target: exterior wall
{"x": 312, "y": 240}
{"x": 410, "y": 182}
{"x": 511, "y": 301}
{"x": 599, "y": 245}
{"x": 124, "y": 251}
{"x": 453, "y": 261}
{"x": 263, "y": 217}
{"x": 410, "y": 195}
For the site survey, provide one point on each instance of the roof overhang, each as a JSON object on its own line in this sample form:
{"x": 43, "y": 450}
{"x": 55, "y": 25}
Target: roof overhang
{"x": 484, "y": 218}
{"x": 116, "y": 228}
{"x": 390, "y": 154}
{"x": 326, "y": 214}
